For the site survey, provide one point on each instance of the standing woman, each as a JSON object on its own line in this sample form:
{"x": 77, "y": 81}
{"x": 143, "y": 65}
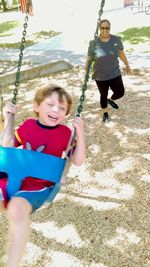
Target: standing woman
{"x": 106, "y": 71}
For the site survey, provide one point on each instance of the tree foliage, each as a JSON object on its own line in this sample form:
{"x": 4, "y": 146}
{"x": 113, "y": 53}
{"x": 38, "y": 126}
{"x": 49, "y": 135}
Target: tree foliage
{"x": 4, "y": 5}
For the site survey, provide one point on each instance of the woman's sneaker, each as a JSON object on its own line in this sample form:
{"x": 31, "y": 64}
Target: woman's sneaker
{"x": 106, "y": 117}
{"x": 112, "y": 103}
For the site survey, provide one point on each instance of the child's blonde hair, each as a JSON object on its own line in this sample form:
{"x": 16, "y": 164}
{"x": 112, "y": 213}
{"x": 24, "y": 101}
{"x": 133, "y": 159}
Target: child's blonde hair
{"x": 47, "y": 90}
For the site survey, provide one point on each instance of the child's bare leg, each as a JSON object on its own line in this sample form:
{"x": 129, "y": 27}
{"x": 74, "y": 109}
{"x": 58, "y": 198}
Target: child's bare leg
{"x": 19, "y": 211}
{"x": 2, "y": 206}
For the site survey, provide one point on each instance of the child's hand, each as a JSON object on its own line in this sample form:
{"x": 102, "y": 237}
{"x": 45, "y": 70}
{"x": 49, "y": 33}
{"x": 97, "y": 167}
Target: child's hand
{"x": 79, "y": 151}
{"x": 78, "y": 123}
{"x": 9, "y": 108}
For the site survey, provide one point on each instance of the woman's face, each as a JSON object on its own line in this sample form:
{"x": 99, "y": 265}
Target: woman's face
{"x": 105, "y": 29}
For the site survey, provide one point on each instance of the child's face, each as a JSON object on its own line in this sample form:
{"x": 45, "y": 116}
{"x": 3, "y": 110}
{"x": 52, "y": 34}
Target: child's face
{"x": 51, "y": 111}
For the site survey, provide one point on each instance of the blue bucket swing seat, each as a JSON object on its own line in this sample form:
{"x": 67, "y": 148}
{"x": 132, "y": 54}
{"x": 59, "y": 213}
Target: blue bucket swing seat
{"x": 21, "y": 163}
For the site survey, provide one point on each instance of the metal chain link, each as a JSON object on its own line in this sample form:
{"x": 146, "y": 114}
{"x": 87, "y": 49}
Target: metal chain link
{"x": 22, "y": 47}
{"x": 86, "y": 78}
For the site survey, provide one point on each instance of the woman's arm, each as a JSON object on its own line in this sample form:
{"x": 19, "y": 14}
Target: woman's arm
{"x": 123, "y": 57}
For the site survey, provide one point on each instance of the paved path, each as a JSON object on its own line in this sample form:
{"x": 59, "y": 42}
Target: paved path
{"x": 72, "y": 44}
{"x": 47, "y": 51}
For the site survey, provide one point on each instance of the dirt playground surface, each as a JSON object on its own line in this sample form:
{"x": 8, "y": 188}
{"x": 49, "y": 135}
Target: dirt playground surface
{"x": 101, "y": 218}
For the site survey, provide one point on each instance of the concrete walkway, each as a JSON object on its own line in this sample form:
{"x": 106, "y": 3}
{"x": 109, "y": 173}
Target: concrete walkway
{"x": 49, "y": 50}
{"x": 55, "y": 49}
{"x": 71, "y": 45}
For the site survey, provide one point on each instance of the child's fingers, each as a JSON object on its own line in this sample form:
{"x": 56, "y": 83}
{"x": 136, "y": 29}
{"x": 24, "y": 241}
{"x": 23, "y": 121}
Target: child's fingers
{"x": 10, "y": 108}
{"x": 78, "y": 122}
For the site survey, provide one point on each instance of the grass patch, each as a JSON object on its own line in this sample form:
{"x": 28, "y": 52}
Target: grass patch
{"x": 5, "y": 35}
{"x": 16, "y": 45}
{"x": 45, "y": 34}
{"x": 35, "y": 38}
{"x": 7, "y": 26}
{"x": 136, "y": 35}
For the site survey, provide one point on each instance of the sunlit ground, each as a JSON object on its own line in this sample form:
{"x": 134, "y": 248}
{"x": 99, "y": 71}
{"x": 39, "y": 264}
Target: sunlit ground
{"x": 101, "y": 217}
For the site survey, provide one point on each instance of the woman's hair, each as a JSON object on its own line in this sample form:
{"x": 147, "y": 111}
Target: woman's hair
{"x": 104, "y": 20}
{"x": 48, "y": 90}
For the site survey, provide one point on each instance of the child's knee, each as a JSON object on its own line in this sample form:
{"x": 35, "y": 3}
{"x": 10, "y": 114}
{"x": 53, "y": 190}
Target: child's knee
{"x": 18, "y": 209}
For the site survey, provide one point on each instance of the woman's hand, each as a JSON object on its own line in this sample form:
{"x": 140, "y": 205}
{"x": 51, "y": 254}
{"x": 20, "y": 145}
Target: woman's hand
{"x": 128, "y": 69}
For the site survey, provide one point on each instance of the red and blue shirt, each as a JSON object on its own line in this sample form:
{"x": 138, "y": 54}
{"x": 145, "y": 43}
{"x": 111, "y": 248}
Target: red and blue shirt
{"x": 31, "y": 134}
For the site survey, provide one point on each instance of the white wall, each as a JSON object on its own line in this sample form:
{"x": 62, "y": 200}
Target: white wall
{"x": 113, "y": 4}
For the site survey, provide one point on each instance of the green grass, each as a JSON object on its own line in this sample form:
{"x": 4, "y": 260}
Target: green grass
{"x": 46, "y": 34}
{"x": 16, "y": 45}
{"x": 136, "y": 35}
{"x": 7, "y": 26}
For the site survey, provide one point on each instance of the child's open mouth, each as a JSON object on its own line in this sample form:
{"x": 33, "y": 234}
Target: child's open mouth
{"x": 52, "y": 118}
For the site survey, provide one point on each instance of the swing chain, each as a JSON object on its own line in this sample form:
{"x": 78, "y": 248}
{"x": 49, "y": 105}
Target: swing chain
{"x": 22, "y": 47}
{"x": 99, "y": 18}
{"x": 87, "y": 74}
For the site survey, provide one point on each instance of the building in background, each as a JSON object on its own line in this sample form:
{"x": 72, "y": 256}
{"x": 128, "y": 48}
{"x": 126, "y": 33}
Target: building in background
{"x": 115, "y": 4}
{"x": 128, "y": 2}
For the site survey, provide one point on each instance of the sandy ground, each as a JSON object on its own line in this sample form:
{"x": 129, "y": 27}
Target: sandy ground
{"x": 101, "y": 217}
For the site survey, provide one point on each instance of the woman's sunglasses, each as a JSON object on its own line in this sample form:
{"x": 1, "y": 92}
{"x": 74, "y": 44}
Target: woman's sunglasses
{"x": 105, "y": 28}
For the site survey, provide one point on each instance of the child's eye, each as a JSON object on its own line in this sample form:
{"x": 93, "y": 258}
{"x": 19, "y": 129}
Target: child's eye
{"x": 62, "y": 108}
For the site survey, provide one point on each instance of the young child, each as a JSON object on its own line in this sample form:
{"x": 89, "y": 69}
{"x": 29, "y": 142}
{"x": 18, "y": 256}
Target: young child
{"x": 45, "y": 133}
